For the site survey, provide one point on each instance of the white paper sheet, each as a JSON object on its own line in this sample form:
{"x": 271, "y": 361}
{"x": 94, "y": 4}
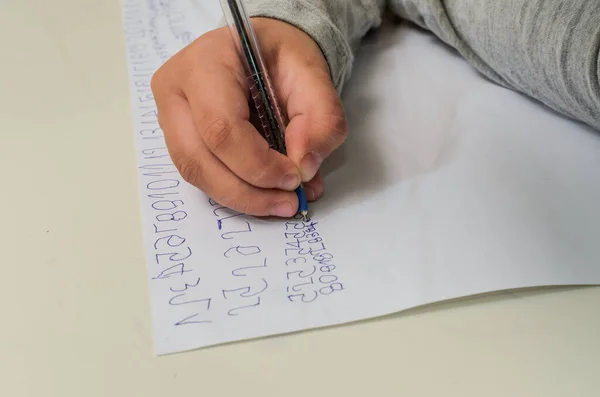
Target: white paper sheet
{"x": 448, "y": 186}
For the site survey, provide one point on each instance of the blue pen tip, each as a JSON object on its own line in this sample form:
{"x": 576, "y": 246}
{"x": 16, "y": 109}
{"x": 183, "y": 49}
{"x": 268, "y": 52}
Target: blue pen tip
{"x": 302, "y": 202}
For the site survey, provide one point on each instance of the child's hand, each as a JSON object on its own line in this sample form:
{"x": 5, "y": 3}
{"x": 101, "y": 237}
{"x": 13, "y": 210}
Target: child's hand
{"x": 203, "y": 107}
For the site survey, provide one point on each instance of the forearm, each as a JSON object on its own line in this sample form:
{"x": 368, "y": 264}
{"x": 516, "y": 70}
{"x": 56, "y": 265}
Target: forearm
{"x": 546, "y": 49}
{"x": 336, "y": 26}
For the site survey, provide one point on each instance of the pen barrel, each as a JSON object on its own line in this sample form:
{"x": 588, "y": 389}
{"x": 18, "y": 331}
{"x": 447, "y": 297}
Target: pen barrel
{"x": 272, "y": 121}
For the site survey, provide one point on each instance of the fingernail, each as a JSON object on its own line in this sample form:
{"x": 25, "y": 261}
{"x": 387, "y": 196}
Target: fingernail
{"x": 290, "y": 182}
{"x": 310, "y": 193}
{"x": 309, "y": 165}
{"x": 283, "y": 209}
{"x": 318, "y": 189}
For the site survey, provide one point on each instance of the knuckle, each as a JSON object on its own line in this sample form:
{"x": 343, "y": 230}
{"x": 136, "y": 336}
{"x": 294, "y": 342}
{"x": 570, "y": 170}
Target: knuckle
{"x": 340, "y": 124}
{"x": 243, "y": 204}
{"x": 217, "y": 134}
{"x": 190, "y": 170}
{"x": 340, "y": 127}
{"x": 264, "y": 167}
{"x": 259, "y": 176}
{"x": 336, "y": 126}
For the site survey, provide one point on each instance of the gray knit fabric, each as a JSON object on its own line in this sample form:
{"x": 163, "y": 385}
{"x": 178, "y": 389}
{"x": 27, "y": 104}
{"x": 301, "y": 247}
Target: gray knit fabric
{"x": 546, "y": 49}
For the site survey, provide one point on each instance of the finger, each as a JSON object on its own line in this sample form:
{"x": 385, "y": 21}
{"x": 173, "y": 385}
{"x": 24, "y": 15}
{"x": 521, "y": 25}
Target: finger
{"x": 314, "y": 188}
{"x": 201, "y": 168}
{"x": 317, "y": 122}
{"x": 220, "y": 107}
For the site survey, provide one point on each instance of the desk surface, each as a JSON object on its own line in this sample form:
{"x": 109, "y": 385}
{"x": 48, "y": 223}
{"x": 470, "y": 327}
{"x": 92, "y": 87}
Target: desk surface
{"x": 74, "y": 290}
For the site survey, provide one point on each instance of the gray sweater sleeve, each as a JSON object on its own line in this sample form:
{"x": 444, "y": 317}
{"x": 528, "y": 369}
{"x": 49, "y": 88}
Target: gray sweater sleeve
{"x": 336, "y": 26}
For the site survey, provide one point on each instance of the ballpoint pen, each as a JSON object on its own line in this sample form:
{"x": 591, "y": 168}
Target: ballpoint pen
{"x": 262, "y": 92}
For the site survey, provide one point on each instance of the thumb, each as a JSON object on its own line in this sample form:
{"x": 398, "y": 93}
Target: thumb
{"x": 317, "y": 124}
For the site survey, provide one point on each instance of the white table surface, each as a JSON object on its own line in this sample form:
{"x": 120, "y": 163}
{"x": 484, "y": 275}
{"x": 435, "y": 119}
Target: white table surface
{"x": 74, "y": 301}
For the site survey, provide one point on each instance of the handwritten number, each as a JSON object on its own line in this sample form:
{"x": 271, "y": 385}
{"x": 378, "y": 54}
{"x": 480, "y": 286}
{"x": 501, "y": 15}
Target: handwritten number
{"x": 156, "y": 231}
{"x": 186, "y": 286}
{"x": 247, "y": 290}
{"x": 186, "y": 321}
{"x": 301, "y": 273}
{"x": 141, "y": 83}
{"x": 304, "y": 297}
{"x": 151, "y": 151}
{"x": 162, "y": 195}
{"x": 166, "y": 205}
{"x": 172, "y": 301}
{"x": 172, "y": 256}
{"x": 223, "y": 236}
{"x": 313, "y": 251}
{"x": 227, "y": 211}
{"x": 152, "y": 113}
{"x": 175, "y": 216}
{"x": 326, "y": 257}
{"x": 291, "y": 249}
{"x": 294, "y": 288}
{"x": 231, "y": 312}
{"x": 295, "y": 235}
{"x": 245, "y": 251}
{"x": 225, "y": 291}
{"x": 159, "y": 171}
{"x": 148, "y": 97}
{"x": 295, "y": 260}
{"x": 332, "y": 278}
{"x": 163, "y": 184}
{"x": 331, "y": 288}
{"x": 158, "y": 167}
{"x": 235, "y": 272}
{"x": 151, "y": 133}
{"x": 168, "y": 272}
{"x": 172, "y": 241}
{"x": 304, "y": 252}
{"x": 296, "y": 244}
{"x": 327, "y": 268}
{"x": 295, "y": 225}
{"x": 220, "y": 221}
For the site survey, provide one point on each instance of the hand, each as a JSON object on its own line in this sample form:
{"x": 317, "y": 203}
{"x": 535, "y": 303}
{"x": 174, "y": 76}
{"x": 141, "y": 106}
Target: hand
{"x": 204, "y": 112}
